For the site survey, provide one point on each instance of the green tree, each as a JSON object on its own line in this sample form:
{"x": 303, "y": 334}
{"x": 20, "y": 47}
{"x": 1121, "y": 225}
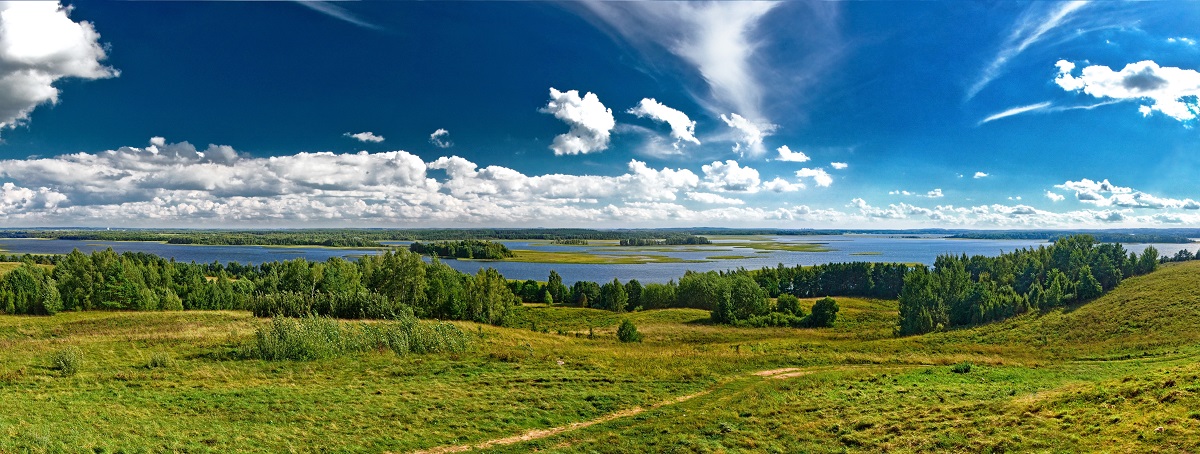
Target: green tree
{"x": 789, "y": 304}
{"x": 627, "y": 332}
{"x": 824, "y": 313}
{"x": 747, "y": 298}
{"x": 613, "y": 296}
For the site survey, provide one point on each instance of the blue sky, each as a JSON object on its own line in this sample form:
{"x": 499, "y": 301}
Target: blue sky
{"x": 600, "y": 114}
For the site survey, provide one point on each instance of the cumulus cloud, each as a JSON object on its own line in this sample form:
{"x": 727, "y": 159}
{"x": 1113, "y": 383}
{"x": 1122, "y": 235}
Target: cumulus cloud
{"x": 749, "y": 135}
{"x": 979, "y": 175}
{"x": 366, "y": 136}
{"x": 935, "y": 194}
{"x": 39, "y": 45}
{"x": 1167, "y": 90}
{"x": 1104, "y": 194}
{"x": 591, "y": 123}
{"x": 819, "y": 176}
{"x": 440, "y": 139}
{"x": 839, "y": 165}
{"x": 1055, "y": 197}
{"x": 683, "y": 129}
{"x": 729, "y": 176}
{"x": 782, "y": 185}
{"x": 786, "y": 154}
{"x": 710, "y": 198}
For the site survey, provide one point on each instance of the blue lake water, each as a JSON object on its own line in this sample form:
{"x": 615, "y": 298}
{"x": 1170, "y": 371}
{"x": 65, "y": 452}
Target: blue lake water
{"x": 845, "y": 248}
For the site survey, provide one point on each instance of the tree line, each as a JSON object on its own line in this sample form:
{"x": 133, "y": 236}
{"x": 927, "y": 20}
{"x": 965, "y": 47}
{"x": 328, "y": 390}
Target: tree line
{"x": 669, "y": 240}
{"x": 463, "y": 249}
{"x": 956, "y": 291}
{"x": 375, "y": 286}
{"x": 960, "y": 291}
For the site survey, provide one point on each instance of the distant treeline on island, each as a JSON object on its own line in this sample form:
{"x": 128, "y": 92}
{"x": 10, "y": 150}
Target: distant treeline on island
{"x": 670, "y": 240}
{"x": 376, "y": 238}
{"x": 1100, "y": 236}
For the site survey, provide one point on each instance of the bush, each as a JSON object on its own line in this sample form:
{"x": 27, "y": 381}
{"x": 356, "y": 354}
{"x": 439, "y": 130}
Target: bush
{"x": 312, "y": 338}
{"x": 67, "y": 360}
{"x": 160, "y": 359}
{"x": 961, "y": 368}
{"x": 627, "y": 332}
{"x": 824, "y": 313}
{"x": 300, "y": 339}
{"x": 789, "y": 304}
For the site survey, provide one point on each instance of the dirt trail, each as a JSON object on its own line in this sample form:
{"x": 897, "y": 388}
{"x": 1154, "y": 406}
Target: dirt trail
{"x": 537, "y": 434}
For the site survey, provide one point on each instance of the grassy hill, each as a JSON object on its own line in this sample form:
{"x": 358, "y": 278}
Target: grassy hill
{"x": 1118, "y": 374}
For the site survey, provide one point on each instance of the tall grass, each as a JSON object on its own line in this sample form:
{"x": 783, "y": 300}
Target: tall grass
{"x": 312, "y": 338}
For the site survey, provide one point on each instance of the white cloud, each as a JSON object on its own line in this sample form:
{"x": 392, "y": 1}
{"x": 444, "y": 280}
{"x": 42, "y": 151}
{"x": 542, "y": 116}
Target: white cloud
{"x": 781, "y": 185}
{"x": 39, "y": 45}
{"x": 330, "y": 9}
{"x": 729, "y": 176}
{"x": 786, "y": 154}
{"x": 1030, "y": 28}
{"x": 839, "y": 165}
{"x": 1182, "y": 40}
{"x": 1104, "y": 194}
{"x": 591, "y": 123}
{"x": 935, "y": 194}
{"x": 440, "y": 138}
{"x": 710, "y": 198}
{"x": 979, "y": 175}
{"x": 366, "y": 136}
{"x": 1167, "y": 90}
{"x": 819, "y": 176}
{"x": 1055, "y": 197}
{"x": 749, "y": 134}
{"x": 1015, "y": 111}
{"x": 683, "y": 129}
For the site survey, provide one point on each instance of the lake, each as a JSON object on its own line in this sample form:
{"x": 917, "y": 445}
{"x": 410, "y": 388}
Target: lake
{"x": 844, "y": 248}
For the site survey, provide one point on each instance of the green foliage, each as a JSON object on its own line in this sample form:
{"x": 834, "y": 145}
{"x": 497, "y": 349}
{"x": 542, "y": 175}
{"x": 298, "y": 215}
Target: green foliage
{"x": 612, "y": 297}
{"x": 627, "y": 332}
{"x": 314, "y": 338}
{"x": 824, "y": 313}
{"x": 463, "y": 249}
{"x": 29, "y": 290}
{"x": 671, "y": 240}
{"x": 67, "y": 361}
{"x": 789, "y": 304}
{"x": 160, "y": 360}
{"x": 963, "y": 291}
{"x": 961, "y": 368}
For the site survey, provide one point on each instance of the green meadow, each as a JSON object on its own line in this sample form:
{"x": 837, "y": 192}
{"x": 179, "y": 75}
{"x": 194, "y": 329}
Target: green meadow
{"x": 1118, "y": 374}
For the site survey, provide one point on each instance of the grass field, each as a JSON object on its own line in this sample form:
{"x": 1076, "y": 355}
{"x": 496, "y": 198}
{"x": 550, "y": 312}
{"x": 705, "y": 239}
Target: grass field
{"x": 1119, "y": 374}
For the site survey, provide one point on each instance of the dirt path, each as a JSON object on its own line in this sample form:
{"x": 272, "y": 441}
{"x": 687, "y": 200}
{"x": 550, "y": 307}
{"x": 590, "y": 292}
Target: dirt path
{"x": 537, "y": 434}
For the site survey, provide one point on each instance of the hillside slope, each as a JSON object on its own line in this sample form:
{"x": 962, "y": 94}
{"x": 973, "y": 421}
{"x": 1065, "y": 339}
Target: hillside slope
{"x": 1151, "y": 314}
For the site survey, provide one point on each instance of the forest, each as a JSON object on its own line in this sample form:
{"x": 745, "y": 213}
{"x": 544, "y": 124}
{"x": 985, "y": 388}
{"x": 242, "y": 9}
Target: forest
{"x": 957, "y": 291}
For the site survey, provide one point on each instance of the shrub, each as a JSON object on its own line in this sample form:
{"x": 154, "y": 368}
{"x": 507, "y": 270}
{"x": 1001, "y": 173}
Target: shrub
{"x": 627, "y": 332}
{"x": 312, "y": 338}
{"x": 160, "y": 359}
{"x": 789, "y": 304}
{"x": 300, "y": 339}
{"x": 961, "y": 368}
{"x": 824, "y": 313}
{"x": 67, "y": 360}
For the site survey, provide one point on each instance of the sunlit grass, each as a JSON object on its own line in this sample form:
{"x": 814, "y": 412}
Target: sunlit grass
{"x": 1118, "y": 374}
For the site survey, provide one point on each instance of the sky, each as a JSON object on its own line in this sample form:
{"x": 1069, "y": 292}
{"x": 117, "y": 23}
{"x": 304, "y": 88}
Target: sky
{"x": 826, "y": 114}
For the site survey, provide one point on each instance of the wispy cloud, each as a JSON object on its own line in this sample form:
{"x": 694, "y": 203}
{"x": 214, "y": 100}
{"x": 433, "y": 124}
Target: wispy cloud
{"x": 1016, "y": 111}
{"x": 725, "y": 44}
{"x": 329, "y": 9}
{"x": 1028, "y": 30}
